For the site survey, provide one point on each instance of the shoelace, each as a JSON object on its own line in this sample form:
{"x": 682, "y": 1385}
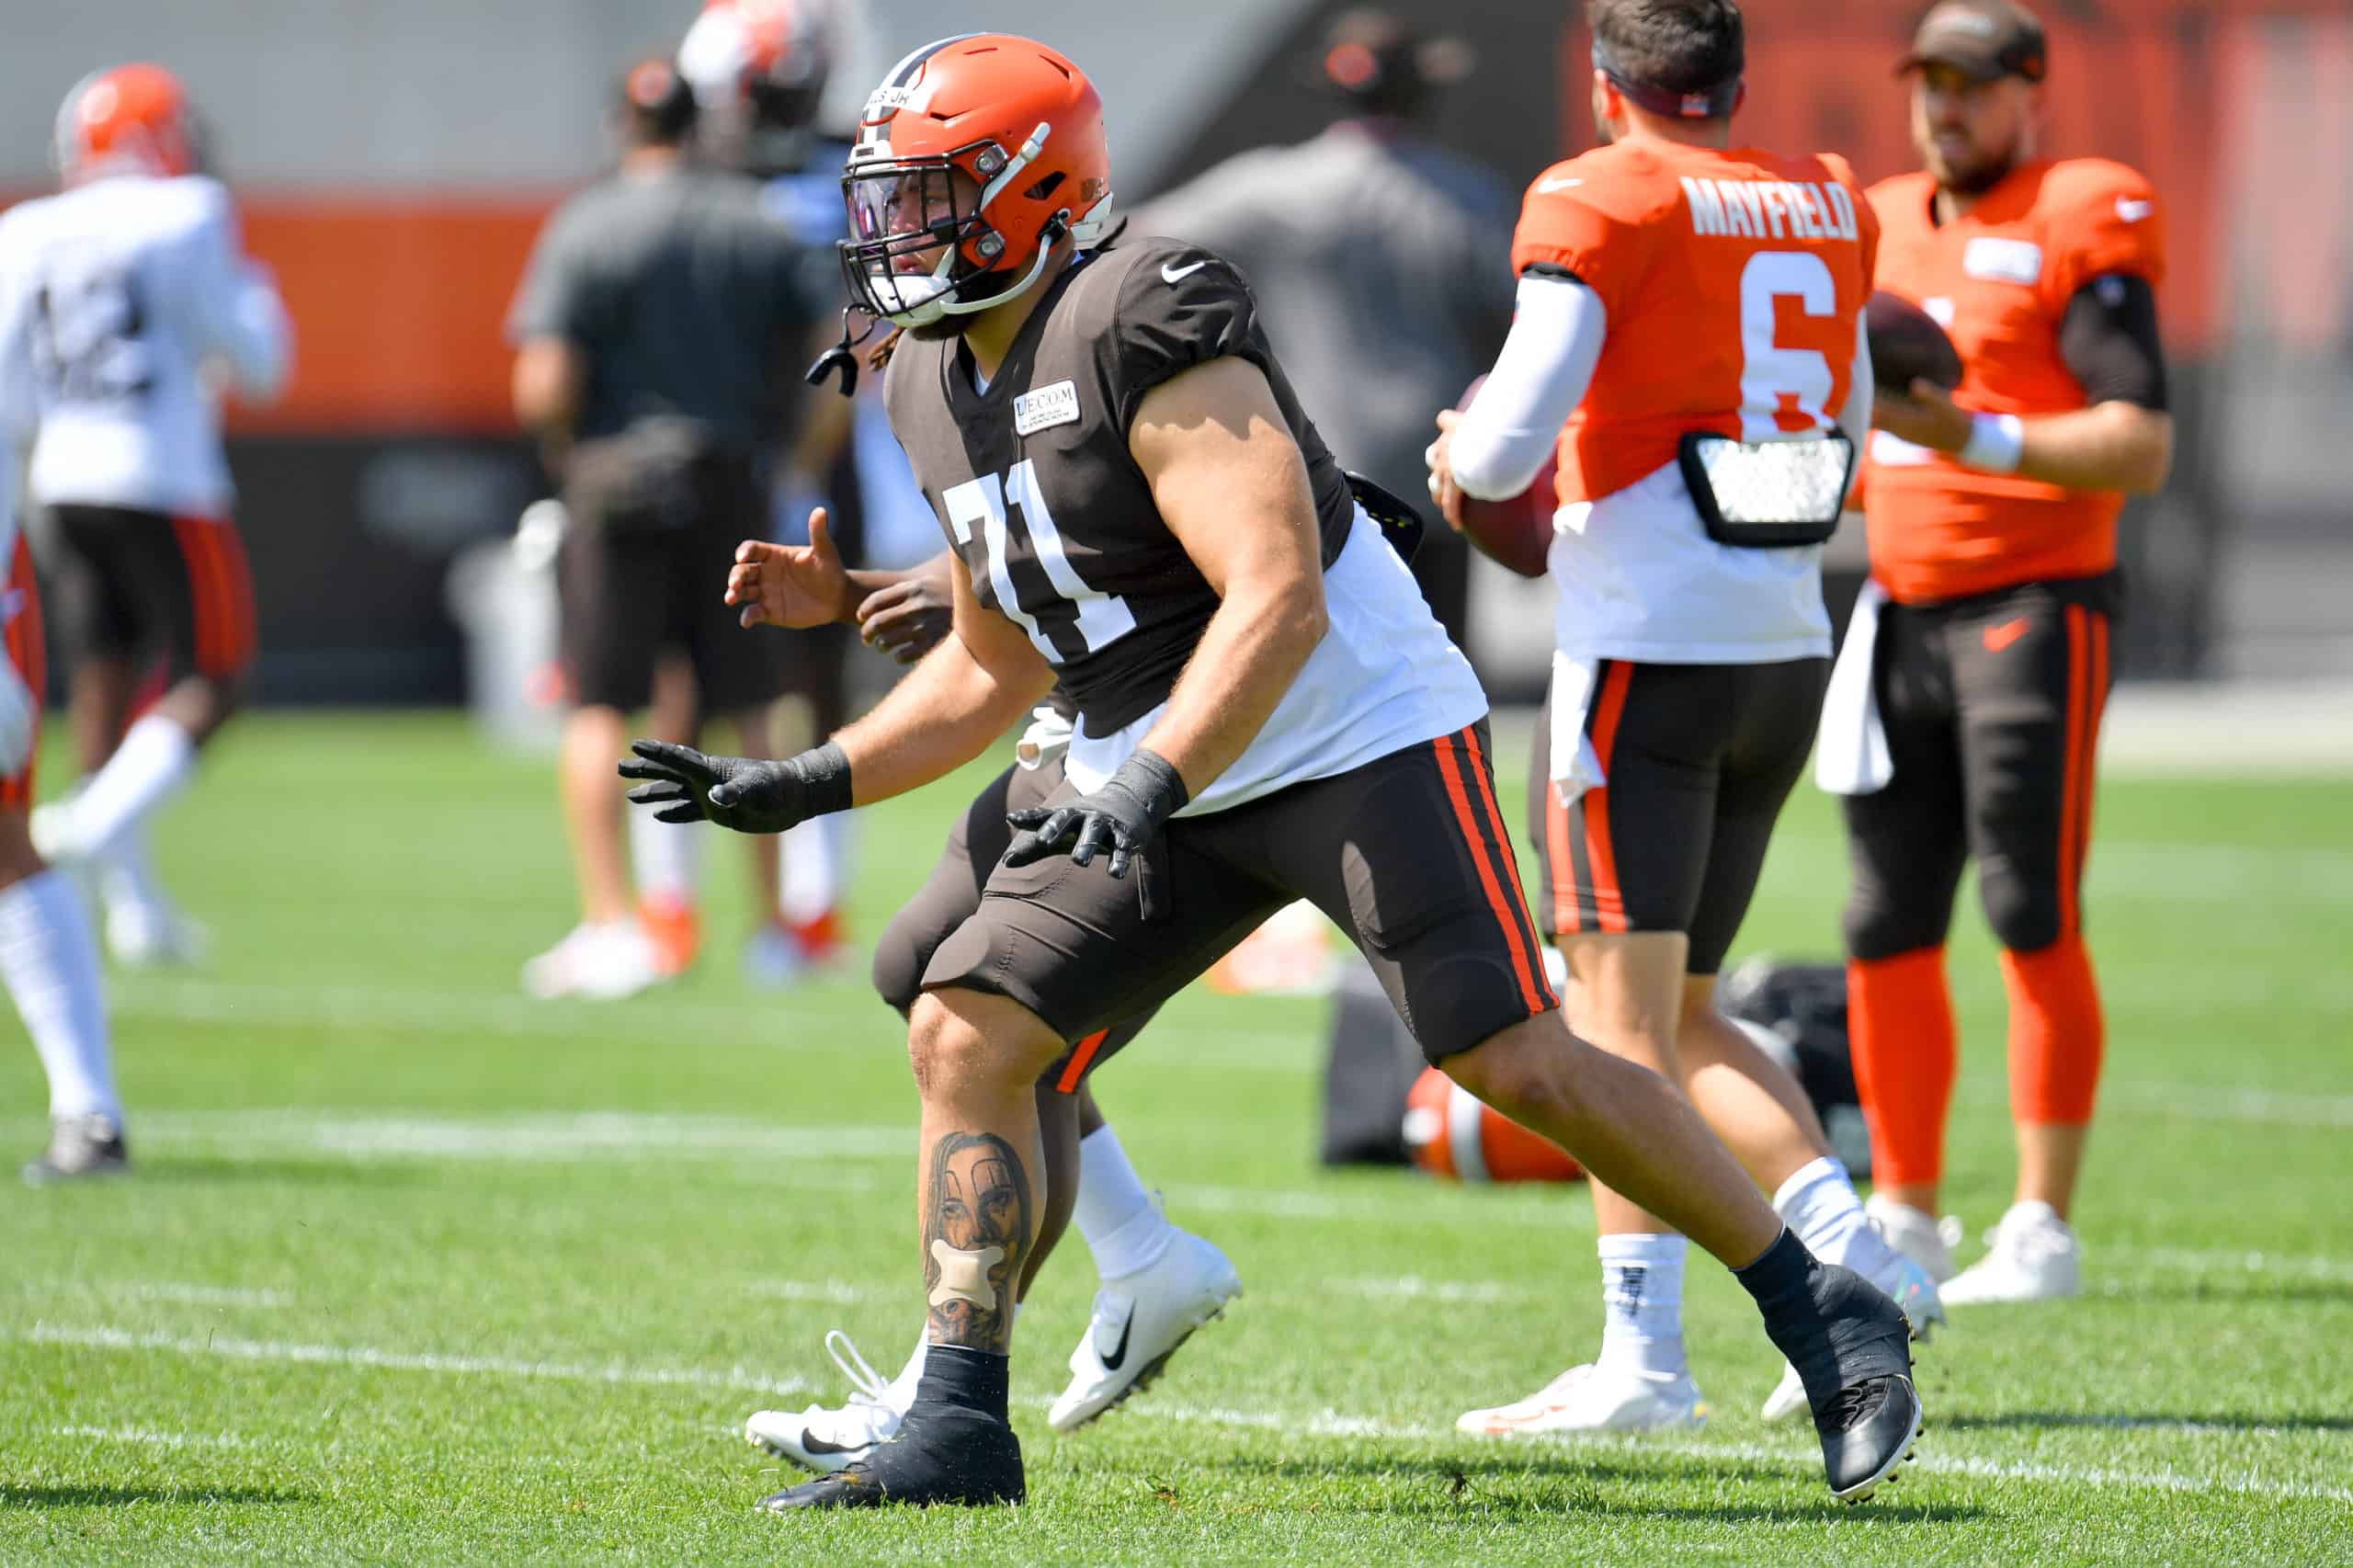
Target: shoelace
{"x": 868, "y": 1386}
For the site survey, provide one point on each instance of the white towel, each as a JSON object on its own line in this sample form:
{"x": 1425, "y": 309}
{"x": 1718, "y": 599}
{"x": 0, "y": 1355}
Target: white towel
{"x": 1047, "y": 738}
{"x": 1851, "y": 754}
{"x": 1576, "y": 766}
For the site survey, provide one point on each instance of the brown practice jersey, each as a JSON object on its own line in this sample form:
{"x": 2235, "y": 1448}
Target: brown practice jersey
{"x": 1035, "y": 486}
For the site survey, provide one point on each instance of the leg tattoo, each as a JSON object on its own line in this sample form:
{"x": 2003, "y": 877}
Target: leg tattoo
{"x": 976, "y": 1236}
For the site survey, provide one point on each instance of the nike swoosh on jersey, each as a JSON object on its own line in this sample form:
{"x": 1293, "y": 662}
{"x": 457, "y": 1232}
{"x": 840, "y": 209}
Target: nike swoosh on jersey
{"x": 1120, "y": 1352}
{"x": 1178, "y": 274}
{"x": 2000, "y": 637}
{"x": 1546, "y": 187}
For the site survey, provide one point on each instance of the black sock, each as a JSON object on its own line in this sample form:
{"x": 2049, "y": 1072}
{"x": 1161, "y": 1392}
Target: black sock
{"x": 967, "y": 1378}
{"x": 1780, "y": 1278}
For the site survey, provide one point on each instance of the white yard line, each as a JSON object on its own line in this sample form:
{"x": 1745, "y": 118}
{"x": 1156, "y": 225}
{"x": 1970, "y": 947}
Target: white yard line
{"x": 588, "y": 1136}
{"x": 94, "y": 1338}
{"x": 154, "y": 1438}
{"x": 833, "y": 1292}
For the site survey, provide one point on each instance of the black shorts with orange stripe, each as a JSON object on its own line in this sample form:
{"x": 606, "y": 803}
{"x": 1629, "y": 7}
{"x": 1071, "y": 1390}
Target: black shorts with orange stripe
{"x": 1991, "y": 706}
{"x": 1407, "y": 852}
{"x": 152, "y": 587}
{"x": 27, "y": 651}
{"x": 951, "y": 896}
{"x": 1697, "y": 760}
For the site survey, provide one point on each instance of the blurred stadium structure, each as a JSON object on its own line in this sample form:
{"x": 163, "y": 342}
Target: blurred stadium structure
{"x": 395, "y": 157}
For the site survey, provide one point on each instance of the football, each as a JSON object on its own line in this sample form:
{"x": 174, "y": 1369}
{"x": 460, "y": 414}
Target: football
{"x": 1516, "y": 532}
{"x": 1907, "y": 345}
{"x": 1454, "y": 1137}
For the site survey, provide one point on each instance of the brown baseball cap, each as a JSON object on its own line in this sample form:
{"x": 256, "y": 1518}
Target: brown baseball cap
{"x": 1984, "y": 39}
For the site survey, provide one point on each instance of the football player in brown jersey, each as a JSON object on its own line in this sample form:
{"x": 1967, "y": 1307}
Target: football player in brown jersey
{"x": 1267, "y": 711}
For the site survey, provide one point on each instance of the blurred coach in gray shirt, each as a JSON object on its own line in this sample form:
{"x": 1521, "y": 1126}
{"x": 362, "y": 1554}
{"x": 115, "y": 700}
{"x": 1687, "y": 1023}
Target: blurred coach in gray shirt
{"x": 1382, "y": 262}
{"x": 660, "y": 329}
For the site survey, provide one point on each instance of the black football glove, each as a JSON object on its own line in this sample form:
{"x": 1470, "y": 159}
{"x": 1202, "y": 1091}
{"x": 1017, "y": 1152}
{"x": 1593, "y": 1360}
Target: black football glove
{"x": 1121, "y": 817}
{"x": 741, "y": 793}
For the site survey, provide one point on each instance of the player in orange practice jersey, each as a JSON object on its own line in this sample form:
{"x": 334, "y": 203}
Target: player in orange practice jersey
{"x": 1687, "y": 340}
{"x": 1992, "y": 517}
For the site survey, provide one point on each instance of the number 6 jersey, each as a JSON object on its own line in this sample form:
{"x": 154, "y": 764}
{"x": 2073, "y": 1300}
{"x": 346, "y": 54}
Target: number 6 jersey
{"x": 1034, "y": 484}
{"x": 1732, "y": 284}
{"x": 130, "y": 286}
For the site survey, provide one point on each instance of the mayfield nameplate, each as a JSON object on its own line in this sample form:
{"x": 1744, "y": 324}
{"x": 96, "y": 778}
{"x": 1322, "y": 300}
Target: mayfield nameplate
{"x": 1042, "y": 408}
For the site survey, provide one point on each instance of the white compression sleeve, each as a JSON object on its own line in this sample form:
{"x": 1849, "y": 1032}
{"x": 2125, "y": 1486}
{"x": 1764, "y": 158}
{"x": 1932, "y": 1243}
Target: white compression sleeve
{"x": 1538, "y": 380}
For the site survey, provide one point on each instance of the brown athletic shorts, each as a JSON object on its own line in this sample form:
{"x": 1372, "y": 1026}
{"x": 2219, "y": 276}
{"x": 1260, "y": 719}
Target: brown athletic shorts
{"x": 1992, "y": 707}
{"x": 951, "y": 896}
{"x": 1699, "y": 760}
{"x": 1408, "y": 853}
{"x": 149, "y": 585}
{"x": 643, "y": 572}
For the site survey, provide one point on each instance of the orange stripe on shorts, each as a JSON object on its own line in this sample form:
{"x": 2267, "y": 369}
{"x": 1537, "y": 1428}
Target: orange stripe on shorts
{"x": 1081, "y": 1059}
{"x": 1450, "y": 769}
{"x": 1608, "y": 900}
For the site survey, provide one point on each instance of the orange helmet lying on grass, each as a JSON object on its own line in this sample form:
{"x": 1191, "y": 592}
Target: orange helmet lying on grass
{"x": 988, "y": 145}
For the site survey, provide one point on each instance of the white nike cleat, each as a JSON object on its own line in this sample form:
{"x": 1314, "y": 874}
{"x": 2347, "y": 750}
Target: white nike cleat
{"x": 2033, "y": 1257}
{"x": 150, "y": 936}
{"x": 596, "y": 964}
{"x": 1596, "y": 1398}
{"x": 1139, "y": 1320}
{"x": 827, "y": 1440}
{"x": 1906, "y": 1284}
{"x": 1925, "y": 1239}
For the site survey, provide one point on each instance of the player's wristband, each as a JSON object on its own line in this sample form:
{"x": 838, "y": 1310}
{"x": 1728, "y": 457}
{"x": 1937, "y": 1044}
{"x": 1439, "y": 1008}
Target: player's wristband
{"x": 1996, "y": 443}
{"x": 825, "y": 772}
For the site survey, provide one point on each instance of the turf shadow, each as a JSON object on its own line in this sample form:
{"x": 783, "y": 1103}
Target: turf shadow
{"x": 123, "y": 1497}
{"x": 2155, "y": 1421}
{"x": 1503, "y": 1485}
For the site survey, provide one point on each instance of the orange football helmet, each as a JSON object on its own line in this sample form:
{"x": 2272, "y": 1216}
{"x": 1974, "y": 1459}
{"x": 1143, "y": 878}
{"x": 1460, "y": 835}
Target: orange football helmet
{"x": 988, "y": 145}
{"x": 130, "y": 117}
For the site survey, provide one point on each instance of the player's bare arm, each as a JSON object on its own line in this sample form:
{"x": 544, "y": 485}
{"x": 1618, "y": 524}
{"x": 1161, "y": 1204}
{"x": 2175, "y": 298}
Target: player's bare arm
{"x": 949, "y": 710}
{"x": 546, "y": 386}
{"x": 2110, "y": 446}
{"x": 1229, "y": 481}
{"x": 900, "y": 613}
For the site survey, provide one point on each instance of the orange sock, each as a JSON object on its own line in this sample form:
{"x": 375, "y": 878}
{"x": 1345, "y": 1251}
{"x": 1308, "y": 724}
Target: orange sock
{"x": 2056, "y": 1033}
{"x": 1899, "y": 1024}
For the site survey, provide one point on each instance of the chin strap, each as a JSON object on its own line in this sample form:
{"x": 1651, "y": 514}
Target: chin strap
{"x": 842, "y": 357}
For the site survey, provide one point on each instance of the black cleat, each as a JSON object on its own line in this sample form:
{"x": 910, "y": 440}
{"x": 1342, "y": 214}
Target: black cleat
{"x": 1851, "y": 1346}
{"x": 1870, "y": 1430}
{"x": 944, "y": 1454}
{"x": 80, "y": 1147}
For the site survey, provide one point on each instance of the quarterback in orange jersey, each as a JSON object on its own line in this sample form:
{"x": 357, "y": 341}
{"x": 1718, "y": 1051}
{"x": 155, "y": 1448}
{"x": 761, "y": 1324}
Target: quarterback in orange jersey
{"x": 1688, "y": 341}
{"x": 1980, "y": 653}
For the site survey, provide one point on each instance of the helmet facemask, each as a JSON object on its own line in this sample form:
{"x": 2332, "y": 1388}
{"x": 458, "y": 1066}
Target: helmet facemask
{"x": 901, "y": 210}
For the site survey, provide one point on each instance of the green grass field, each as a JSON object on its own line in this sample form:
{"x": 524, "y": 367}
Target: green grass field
{"x": 416, "y": 1270}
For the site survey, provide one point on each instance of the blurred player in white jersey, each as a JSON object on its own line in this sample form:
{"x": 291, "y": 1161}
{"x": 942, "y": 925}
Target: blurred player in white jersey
{"x": 138, "y": 304}
{"x": 48, "y": 958}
